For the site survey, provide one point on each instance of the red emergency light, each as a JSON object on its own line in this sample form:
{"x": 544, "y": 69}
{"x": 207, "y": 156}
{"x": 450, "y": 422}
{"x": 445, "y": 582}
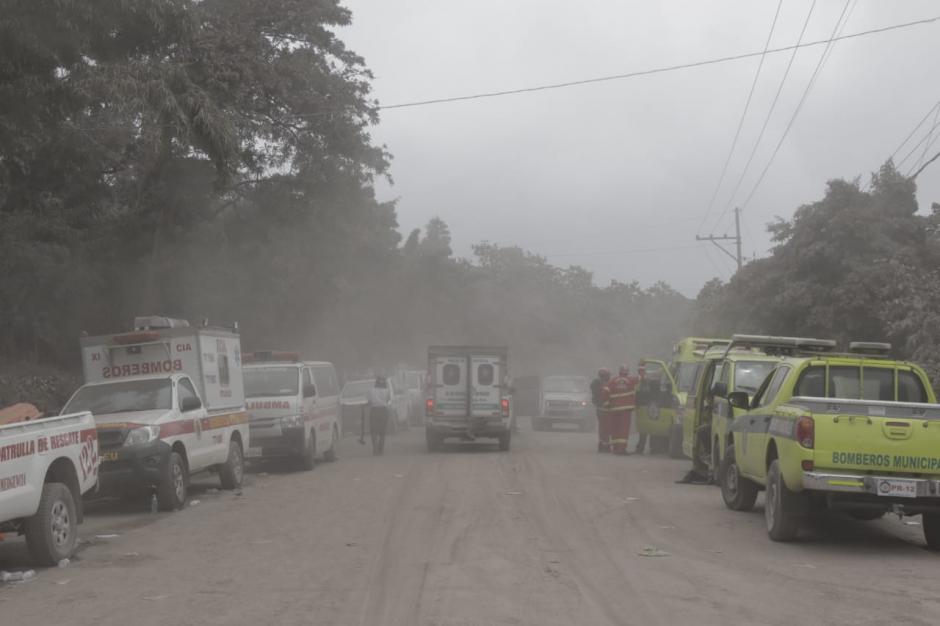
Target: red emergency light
{"x": 261, "y": 356}
{"x": 136, "y": 338}
{"x": 429, "y": 406}
{"x": 505, "y": 405}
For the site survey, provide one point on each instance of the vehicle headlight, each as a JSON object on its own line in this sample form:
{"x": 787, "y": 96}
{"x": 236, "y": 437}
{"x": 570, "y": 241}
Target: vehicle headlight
{"x": 142, "y": 434}
{"x": 292, "y": 421}
{"x": 584, "y": 403}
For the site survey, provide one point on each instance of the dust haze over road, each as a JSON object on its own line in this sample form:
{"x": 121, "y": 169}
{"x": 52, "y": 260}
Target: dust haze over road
{"x": 547, "y": 534}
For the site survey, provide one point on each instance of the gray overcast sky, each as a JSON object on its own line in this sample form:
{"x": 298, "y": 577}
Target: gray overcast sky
{"x": 617, "y": 176}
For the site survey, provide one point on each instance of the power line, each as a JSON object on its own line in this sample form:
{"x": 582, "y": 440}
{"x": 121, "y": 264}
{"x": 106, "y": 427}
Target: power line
{"x": 659, "y": 70}
{"x": 737, "y": 132}
{"x": 770, "y": 112}
{"x": 917, "y": 145}
{"x": 613, "y": 252}
{"x": 799, "y": 106}
{"x": 915, "y": 129}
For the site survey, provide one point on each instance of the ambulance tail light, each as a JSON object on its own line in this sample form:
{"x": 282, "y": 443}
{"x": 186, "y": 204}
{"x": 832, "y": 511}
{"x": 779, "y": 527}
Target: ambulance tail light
{"x": 504, "y": 403}
{"x": 807, "y": 465}
{"x": 429, "y": 407}
{"x": 136, "y": 338}
{"x": 805, "y": 431}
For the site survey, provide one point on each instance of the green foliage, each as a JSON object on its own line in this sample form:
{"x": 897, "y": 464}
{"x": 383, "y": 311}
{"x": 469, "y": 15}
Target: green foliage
{"x": 856, "y": 265}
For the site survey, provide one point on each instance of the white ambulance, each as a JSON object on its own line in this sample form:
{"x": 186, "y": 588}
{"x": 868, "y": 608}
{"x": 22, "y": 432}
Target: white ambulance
{"x": 468, "y": 395}
{"x": 293, "y": 407}
{"x": 168, "y": 402}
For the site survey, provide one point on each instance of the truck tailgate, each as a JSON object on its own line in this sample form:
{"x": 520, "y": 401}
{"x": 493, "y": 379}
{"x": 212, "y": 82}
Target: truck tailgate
{"x": 871, "y": 436}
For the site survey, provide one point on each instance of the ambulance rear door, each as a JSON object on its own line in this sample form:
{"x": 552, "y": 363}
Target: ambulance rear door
{"x": 450, "y": 384}
{"x": 486, "y": 392}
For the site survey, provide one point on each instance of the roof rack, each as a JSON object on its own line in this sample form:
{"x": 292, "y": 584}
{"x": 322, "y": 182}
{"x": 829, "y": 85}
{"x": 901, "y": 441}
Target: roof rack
{"x": 869, "y": 348}
{"x": 784, "y": 346}
{"x": 270, "y": 356}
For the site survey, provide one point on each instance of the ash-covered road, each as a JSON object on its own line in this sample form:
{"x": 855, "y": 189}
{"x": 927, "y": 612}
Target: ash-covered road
{"x": 547, "y": 534}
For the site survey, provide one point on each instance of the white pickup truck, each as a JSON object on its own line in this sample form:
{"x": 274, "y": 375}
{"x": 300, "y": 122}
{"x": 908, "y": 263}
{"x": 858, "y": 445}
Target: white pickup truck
{"x": 169, "y": 401}
{"x": 45, "y": 466}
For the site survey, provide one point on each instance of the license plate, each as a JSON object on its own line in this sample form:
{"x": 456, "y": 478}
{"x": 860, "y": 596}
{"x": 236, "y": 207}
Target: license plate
{"x": 108, "y": 456}
{"x": 897, "y": 487}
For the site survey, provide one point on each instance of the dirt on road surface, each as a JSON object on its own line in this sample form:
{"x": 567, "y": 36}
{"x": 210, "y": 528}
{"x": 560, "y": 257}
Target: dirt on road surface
{"x": 550, "y": 533}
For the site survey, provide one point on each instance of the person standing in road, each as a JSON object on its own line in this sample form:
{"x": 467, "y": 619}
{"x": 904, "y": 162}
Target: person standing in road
{"x": 621, "y": 395}
{"x": 598, "y": 398}
{"x": 380, "y": 398}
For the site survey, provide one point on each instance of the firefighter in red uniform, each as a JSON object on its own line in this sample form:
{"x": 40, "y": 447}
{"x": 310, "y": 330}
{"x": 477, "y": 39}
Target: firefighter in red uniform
{"x": 621, "y": 395}
{"x": 598, "y": 397}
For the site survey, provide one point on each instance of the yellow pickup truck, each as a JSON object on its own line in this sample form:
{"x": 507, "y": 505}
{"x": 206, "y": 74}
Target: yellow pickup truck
{"x": 857, "y": 432}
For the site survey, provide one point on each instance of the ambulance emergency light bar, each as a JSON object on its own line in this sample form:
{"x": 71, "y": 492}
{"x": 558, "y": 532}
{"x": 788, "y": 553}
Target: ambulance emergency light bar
{"x": 870, "y": 348}
{"x": 782, "y": 345}
{"x": 271, "y": 356}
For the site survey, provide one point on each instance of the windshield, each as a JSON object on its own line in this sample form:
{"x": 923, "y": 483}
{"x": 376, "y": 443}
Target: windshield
{"x": 123, "y": 397}
{"x": 685, "y": 376}
{"x": 565, "y": 384}
{"x": 272, "y": 381}
{"x": 748, "y": 375}
{"x": 357, "y": 389}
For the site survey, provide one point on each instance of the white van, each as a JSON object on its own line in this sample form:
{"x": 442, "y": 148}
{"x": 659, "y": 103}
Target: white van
{"x": 293, "y": 407}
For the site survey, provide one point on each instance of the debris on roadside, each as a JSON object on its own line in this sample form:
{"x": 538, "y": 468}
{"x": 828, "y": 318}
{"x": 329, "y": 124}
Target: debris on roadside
{"x": 108, "y": 536}
{"x": 64, "y": 563}
{"x": 513, "y": 493}
{"x": 653, "y": 552}
{"x": 17, "y": 577}
{"x": 194, "y": 503}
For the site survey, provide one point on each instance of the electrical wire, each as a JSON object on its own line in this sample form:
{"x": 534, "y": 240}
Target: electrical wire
{"x": 917, "y": 145}
{"x": 799, "y": 106}
{"x": 615, "y": 252}
{"x": 770, "y": 112}
{"x": 737, "y": 132}
{"x": 916, "y": 128}
{"x": 659, "y": 70}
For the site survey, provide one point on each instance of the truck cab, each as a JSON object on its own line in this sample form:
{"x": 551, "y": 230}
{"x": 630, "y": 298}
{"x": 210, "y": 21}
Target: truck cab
{"x": 469, "y": 395}
{"x": 856, "y": 432}
{"x": 293, "y": 407}
{"x": 168, "y": 402}
{"x": 564, "y": 399}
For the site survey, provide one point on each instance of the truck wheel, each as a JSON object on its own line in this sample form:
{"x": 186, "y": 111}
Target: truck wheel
{"x": 738, "y": 492}
{"x": 782, "y": 524}
{"x": 308, "y": 458}
{"x": 330, "y": 455}
{"x": 52, "y": 533}
{"x": 232, "y": 471}
{"x": 931, "y": 522}
{"x": 675, "y": 442}
{"x": 171, "y": 492}
{"x": 433, "y": 439}
{"x": 504, "y": 441}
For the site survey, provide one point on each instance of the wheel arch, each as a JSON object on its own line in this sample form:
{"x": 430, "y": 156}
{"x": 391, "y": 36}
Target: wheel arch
{"x": 62, "y": 470}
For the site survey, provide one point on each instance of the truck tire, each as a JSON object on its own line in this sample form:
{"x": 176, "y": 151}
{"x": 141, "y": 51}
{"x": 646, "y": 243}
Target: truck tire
{"x": 931, "y": 522}
{"x": 434, "y": 440}
{"x": 738, "y": 492}
{"x": 675, "y": 442}
{"x": 308, "y": 458}
{"x": 505, "y": 439}
{"x": 52, "y": 533}
{"x": 782, "y": 522}
{"x": 171, "y": 492}
{"x": 232, "y": 471}
{"x": 330, "y": 455}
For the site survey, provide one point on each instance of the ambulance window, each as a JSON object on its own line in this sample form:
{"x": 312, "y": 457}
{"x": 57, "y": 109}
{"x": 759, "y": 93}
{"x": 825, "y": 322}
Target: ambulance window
{"x": 184, "y": 391}
{"x": 451, "y": 374}
{"x": 725, "y": 376}
{"x": 910, "y": 387}
{"x": 844, "y": 382}
{"x": 812, "y": 383}
{"x": 223, "y": 369}
{"x": 877, "y": 383}
{"x": 485, "y": 374}
{"x": 686, "y": 375}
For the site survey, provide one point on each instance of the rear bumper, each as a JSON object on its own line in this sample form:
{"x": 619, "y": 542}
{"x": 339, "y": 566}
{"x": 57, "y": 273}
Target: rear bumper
{"x": 867, "y": 484}
{"x": 134, "y": 468}
{"x": 474, "y": 427}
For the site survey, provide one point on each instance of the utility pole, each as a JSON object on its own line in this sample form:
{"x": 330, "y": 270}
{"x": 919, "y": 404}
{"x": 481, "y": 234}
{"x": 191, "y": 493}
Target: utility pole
{"x": 736, "y": 238}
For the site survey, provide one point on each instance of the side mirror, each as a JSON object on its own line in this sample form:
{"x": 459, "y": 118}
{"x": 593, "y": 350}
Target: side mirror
{"x": 720, "y": 390}
{"x": 310, "y": 390}
{"x": 739, "y": 400}
{"x": 190, "y": 404}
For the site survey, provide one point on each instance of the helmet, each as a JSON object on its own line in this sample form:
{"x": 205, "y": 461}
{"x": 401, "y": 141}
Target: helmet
{"x": 624, "y": 370}
{"x": 603, "y": 373}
